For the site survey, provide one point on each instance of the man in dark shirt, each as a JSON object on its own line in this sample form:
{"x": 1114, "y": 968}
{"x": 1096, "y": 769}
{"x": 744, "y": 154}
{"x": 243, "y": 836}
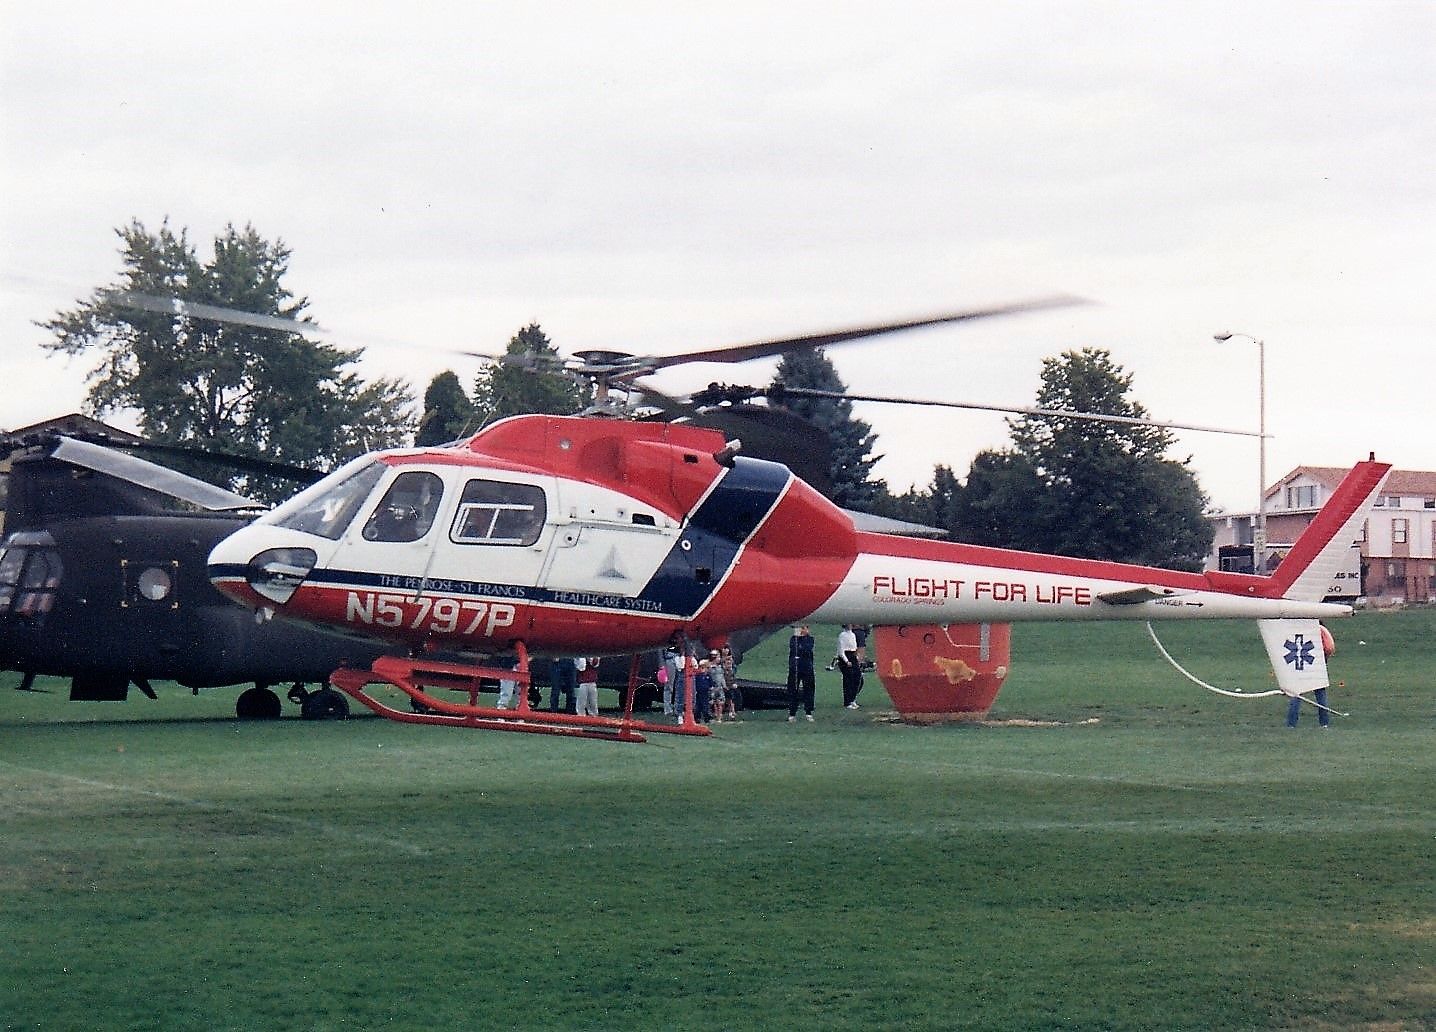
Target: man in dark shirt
{"x": 801, "y": 679}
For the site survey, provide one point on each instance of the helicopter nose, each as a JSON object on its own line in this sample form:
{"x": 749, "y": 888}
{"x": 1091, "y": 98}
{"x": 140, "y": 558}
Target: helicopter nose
{"x": 255, "y": 572}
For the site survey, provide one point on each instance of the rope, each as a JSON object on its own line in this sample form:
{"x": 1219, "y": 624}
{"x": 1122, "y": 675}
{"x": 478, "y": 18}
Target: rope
{"x": 1238, "y": 694}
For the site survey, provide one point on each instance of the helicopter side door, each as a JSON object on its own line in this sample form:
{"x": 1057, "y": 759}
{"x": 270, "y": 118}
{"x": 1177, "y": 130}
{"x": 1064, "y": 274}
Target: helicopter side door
{"x": 605, "y": 542}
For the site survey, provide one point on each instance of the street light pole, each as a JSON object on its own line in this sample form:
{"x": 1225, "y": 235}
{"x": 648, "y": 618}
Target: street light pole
{"x": 1259, "y": 528}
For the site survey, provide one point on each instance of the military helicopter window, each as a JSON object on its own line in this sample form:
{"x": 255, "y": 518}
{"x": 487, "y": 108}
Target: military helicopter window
{"x": 154, "y": 584}
{"x": 29, "y": 579}
{"x": 495, "y": 513}
{"x": 11, "y": 561}
{"x": 326, "y": 508}
{"x": 407, "y": 511}
{"x": 149, "y": 582}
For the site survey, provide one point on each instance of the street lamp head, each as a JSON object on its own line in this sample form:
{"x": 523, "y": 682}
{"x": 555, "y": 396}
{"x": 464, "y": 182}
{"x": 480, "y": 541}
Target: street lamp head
{"x": 1223, "y": 336}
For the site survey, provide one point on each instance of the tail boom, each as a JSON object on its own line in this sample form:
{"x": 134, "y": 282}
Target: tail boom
{"x": 903, "y": 580}
{"x": 963, "y": 585}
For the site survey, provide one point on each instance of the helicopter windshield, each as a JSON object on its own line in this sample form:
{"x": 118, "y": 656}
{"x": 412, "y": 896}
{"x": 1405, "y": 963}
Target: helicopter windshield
{"x": 327, "y": 507}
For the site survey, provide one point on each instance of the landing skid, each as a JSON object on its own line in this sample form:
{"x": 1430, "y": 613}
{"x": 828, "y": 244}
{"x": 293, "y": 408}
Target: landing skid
{"x": 412, "y": 676}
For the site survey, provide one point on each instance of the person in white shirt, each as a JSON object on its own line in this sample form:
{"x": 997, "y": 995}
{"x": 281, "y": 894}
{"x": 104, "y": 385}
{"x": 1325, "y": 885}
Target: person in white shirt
{"x": 850, "y": 666}
{"x": 586, "y": 697}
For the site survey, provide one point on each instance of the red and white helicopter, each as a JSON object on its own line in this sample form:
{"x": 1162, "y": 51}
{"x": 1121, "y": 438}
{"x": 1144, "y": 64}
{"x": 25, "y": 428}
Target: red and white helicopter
{"x": 596, "y": 535}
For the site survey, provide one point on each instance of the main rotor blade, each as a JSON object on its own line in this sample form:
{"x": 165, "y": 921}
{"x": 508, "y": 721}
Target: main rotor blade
{"x": 238, "y": 317}
{"x": 778, "y": 393}
{"x": 214, "y": 313}
{"x": 765, "y": 349}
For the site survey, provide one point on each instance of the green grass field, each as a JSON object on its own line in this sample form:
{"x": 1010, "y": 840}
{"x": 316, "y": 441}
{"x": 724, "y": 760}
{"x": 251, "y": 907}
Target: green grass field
{"x": 1183, "y": 862}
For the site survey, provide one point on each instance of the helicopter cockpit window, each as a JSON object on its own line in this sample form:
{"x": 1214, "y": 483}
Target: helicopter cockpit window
{"x": 495, "y": 513}
{"x": 326, "y": 508}
{"x": 12, "y": 560}
{"x": 408, "y": 509}
{"x": 29, "y": 580}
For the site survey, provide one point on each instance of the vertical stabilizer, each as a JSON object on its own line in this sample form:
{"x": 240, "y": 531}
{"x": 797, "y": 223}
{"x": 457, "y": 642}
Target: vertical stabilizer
{"x": 1306, "y": 574}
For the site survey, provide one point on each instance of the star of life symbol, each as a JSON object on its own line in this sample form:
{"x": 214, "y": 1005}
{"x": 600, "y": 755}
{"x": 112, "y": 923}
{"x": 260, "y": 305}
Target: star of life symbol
{"x": 1300, "y": 652}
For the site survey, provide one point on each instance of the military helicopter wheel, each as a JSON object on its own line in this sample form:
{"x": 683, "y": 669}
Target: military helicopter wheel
{"x": 325, "y": 704}
{"x": 257, "y": 703}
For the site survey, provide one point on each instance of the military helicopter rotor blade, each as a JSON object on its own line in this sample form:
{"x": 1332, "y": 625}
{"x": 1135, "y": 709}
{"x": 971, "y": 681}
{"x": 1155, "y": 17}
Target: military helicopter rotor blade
{"x": 668, "y": 407}
{"x": 766, "y": 349}
{"x": 242, "y": 463}
{"x": 778, "y": 392}
{"x": 228, "y": 460}
{"x": 778, "y": 435}
{"x": 765, "y": 431}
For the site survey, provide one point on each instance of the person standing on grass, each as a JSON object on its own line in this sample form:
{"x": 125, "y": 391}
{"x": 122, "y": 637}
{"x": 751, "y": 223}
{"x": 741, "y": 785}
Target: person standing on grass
{"x": 730, "y": 681}
{"x": 718, "y": 698}
{"x": 565, "y": 683}
{"x": 586, "y": 699}
{"x": 672, "y": 681}
{"x": 508, "y": 688}
{"x": 702, "y": 692}
{"x": 1323, "y": 715}
{"x": 801, "y": 679}
{"x": 730, "y": 666}
{"x": 850, "y": 666}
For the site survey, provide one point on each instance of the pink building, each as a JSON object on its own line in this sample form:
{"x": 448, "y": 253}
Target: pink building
{"x": 1392, "y": 563}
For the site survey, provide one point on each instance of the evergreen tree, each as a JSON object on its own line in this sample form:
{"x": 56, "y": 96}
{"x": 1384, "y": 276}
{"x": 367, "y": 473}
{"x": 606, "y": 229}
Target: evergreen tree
{"x": 537, "y": 384}
{"x": 1003, "y": 504}
{"x": 215, "y": 384}
{"x": 1084, "y": 381}
{"x": 852, "y": 439}
{"x": 448, "y": 412}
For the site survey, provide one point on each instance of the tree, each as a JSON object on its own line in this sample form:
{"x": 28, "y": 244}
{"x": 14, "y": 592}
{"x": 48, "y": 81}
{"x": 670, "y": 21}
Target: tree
{"x": 1084, "y": 381}
{"x": 852, "y": 439}
{"x": 934, "y": 505}
{"x": 520, "y": 388}
{"x": 1102, "y": 490}
{"x": 252, "y": 390}
{"x": 448, "y": 412}
{"x": 1003, "y": 504}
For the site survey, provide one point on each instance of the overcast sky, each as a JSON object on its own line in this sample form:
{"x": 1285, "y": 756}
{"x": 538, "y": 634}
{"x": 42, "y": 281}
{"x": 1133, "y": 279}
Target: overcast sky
{"x": 653, "y": 180}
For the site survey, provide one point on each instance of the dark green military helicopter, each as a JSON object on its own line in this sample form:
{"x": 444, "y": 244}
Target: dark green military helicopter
{"x": 102, "y": 580}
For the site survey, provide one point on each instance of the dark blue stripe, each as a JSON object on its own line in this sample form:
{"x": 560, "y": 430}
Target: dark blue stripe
{"x": 482, "y": 589}
{"x": 688, "y": 576}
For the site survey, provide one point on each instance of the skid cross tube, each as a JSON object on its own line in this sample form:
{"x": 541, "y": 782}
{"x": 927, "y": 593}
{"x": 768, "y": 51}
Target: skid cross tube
{"x": 411, "y": 676}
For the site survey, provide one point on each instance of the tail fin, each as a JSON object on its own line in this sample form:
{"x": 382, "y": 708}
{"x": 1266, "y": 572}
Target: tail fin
{"x": 1306, "y": 573}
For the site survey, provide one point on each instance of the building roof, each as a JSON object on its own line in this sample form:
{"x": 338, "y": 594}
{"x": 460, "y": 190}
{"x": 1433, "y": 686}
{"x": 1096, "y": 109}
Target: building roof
{"x": 1403, "y": 482}
{"x": 78, "y": 423}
